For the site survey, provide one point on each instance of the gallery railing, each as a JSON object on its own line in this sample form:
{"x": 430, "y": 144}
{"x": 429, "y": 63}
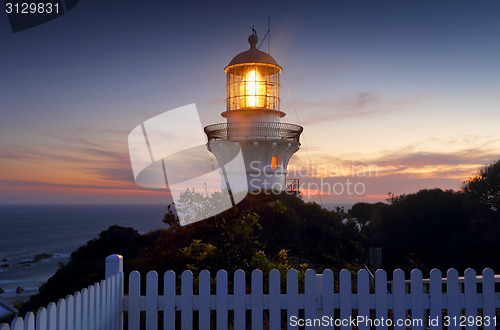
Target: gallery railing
{"x": 256, "y": 130}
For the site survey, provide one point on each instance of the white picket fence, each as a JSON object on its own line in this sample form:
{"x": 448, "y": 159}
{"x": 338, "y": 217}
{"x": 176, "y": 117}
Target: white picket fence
{"x": 100, "y": 306}
{"x": 470, "y": 301}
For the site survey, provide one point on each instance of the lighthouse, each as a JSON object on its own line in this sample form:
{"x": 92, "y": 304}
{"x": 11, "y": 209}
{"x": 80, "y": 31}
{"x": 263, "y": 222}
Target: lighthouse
{"x": 253, "y": 121}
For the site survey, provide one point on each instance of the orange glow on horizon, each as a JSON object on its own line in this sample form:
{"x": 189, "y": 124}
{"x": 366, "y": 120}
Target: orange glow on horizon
{"x": 89, "y": 191}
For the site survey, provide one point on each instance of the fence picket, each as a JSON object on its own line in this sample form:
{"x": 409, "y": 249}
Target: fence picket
{"x": 134, "y": 299}
{"x": 70, "y": 312}
{"x": 399, "y": 293}
{"x": 239, "y": 299}
{"x": 310, "y": 296}
{"x": 221, "y": 299}
{"x": 61, "y": 314}
{"x": 292, "y": 297}
{"x": 417, "y": 298}
{"x": 436, "y": 304}
{"x": 319, "y": 295}
{"x": 29, "y": 321}
{"x": 151, "y": 300}
{"x": 91, "y": 319}
{"x": 17, "y": 324}
{"x": 78, "y": 311}
{"x": 274, "y": 299}
{"x": 452, "y": 295}
{"x": 381, "y": 296}
{"x": 328, "y": 296}
{"x": 257, "y": 299}
{"x": 470, "y": 298}
{"x": 187, "y": 300}
{"x": 119, "y": 301}
{"x": 169, "y": 300}
{"x": 52, "y": 316}
{"x": 110, "y": 301}
{"x": 41, "y": 319}
{"x": 4, "y": 326}
{"x": 109, "y": 306}
{"x": 489, "y": 298}
{"x": 97, "y": 302}
{"x": 102, "y": 305}
{"x": 204, "y": 300}
{"x": 85, "y": 309}
{"x": 345, "y": 297}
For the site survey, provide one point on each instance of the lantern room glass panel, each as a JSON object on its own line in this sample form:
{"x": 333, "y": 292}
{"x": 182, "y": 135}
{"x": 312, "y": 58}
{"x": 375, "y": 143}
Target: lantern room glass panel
{"x": 252, "y": 86}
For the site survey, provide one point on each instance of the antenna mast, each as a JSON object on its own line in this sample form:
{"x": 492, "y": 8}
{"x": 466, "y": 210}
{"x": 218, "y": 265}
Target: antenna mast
{"x": 268, "y": 36}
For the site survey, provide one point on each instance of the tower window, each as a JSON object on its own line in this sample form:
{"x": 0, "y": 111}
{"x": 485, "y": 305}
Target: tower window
{"x": 274, "y": 162}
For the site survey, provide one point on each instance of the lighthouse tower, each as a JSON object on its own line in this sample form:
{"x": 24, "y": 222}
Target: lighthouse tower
{"x": 253, "y": 120}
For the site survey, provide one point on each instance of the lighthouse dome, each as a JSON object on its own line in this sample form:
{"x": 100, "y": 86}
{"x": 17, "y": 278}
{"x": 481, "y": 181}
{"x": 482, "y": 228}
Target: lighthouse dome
{"x": 253, "y": 55}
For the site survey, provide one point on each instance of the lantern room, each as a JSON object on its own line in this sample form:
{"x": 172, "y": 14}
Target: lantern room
{"x": 252, "y": 83}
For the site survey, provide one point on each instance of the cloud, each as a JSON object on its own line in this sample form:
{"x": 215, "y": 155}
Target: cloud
{"x": 362, "y": 104}
{"x": 115, "y": 175}
{"x": 96, "y": 160}
{"x": 457, "y": 163}
{"x": 427, "y": 164}
{"x": 64, "y": 153}
{"x": 37, "y": 184}
{"x": 403, "y": 171}
{"x": 467, "y": 150}
{"x": 27, "y": 192}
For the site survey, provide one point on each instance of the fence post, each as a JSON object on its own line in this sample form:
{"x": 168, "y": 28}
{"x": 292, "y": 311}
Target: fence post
{"x": 114, "y": 266}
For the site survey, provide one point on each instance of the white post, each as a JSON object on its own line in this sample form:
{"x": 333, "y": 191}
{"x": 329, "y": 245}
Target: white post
{"x": 114, "y": 265}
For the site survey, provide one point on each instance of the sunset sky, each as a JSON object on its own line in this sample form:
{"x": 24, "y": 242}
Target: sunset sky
{"x": 411, "y": 88}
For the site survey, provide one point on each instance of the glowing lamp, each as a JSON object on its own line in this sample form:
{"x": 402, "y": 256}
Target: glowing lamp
{"x": 253, "y": 90}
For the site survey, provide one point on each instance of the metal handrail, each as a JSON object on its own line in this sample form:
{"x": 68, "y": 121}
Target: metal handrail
{"x": 260, "y": 130}
{"x": 293, "y": 186}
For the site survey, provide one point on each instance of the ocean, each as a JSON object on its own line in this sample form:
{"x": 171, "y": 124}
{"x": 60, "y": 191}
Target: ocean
{"x": 57, "y": 230}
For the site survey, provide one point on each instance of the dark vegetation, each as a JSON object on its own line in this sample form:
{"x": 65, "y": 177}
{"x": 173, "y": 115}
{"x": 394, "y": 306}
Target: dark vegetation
{"x": 428, "y": 229}
{"x": 438, "y": 229}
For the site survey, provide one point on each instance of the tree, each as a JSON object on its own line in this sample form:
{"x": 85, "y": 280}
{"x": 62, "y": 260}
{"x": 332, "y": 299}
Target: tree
{"x": 428, "y": 229}
{"x": 363, "y": 213}
{"x": 484, "y": 187}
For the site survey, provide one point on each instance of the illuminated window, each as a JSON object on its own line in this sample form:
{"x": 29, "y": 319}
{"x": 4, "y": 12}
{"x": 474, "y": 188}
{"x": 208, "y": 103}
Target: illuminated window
{"x": 252, "y": 86}
{"x": 274, "y": 162}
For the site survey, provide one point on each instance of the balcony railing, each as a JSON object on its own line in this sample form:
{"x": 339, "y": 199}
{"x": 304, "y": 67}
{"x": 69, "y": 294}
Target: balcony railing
{"x": 257, "y": 130}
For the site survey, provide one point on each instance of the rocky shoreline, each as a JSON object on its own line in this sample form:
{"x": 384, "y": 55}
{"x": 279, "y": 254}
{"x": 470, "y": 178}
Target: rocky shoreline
{"x": 39, "y": 257}
{"x": 14, "y": 291}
